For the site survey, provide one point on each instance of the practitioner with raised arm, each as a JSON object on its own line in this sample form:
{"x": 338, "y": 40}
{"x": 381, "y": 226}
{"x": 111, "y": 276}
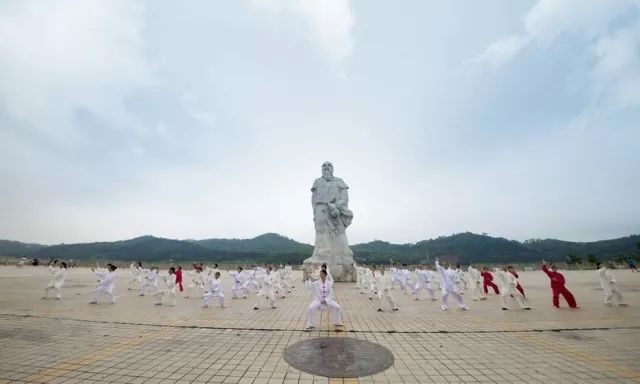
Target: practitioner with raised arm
{"x": 557, "y": 286}
{"x": 448, "y": 278}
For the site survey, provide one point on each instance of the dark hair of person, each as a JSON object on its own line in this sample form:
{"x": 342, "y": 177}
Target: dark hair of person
{"x": 172, "y": 269}
{"x": 322, "y": 271}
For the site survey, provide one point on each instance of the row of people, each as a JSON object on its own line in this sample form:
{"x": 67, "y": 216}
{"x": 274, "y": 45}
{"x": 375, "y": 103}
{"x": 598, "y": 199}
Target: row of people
{"x": 452, "y": 281}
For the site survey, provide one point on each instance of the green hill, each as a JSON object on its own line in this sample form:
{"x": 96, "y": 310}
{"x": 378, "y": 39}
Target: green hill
{"x": 273, "y": 248}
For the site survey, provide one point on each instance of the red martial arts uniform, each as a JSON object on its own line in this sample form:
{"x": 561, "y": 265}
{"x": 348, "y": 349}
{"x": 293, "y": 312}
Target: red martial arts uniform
{"x": 518, "y": 286}
{"x": 558, "y": 288}
{"x": 488, "y": 282}
{"x": 179, "y": 279}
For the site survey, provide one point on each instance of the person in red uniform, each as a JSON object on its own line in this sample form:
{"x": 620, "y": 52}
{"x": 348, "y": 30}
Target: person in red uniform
{"x": 178, "y": 273}
{"x": 518, "y": 286}
{"x": 488, "y": 281}
{"x": 557, "y": 286}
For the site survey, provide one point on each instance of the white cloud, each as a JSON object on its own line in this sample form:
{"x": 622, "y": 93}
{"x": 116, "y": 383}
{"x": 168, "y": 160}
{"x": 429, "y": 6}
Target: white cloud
{"x": 62, "y": 55}
{"x": 548, "y": 19}
{"x": 616, "y": 77}
{"x": 329, "y": 23}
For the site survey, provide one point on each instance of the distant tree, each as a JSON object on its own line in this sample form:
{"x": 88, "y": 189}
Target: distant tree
{"x": 592, "y": 259}
{"x": 574, "y": 259}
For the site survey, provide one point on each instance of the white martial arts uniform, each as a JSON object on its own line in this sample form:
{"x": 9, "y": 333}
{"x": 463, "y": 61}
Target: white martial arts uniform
{"x": 137, "y": 274}
{"x": 323, "y": 297}
{"x": 609, "y": 288}
{"x": 267, "y": 289}
{"x": 239, "y": 284}
{"x": 423, "y": 282}
{"x": 196, "y": 287}
{"x": 508, "y": 282}
{"x": 150, "y": 282}
{"x": 58, "y": 274}
{"x": 169, "y": 290}
{"x": 405, "y": 277}
{"x": 448, "y": 279}
{"x": 105, "y": 286}
{"x": 213, "y": 289}
{"x": 476, "y": 284}
{"x": 384, "y": 291}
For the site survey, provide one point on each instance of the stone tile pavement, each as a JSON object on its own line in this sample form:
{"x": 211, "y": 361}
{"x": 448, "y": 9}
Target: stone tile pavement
{"x": 135, "y": 341}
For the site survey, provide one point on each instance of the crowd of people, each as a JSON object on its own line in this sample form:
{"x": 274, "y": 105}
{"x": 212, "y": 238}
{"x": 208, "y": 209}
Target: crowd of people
{"x": 270, "y": 283}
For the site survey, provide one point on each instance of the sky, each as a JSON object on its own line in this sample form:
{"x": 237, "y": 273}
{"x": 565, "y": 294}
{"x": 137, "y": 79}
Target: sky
{"x": 211, "y": 119}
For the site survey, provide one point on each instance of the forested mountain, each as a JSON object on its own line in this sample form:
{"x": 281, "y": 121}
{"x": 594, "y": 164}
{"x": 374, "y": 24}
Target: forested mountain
{"x": 270, "y": 248}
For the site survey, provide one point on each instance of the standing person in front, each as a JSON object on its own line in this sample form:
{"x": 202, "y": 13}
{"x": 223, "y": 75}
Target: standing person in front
{"x": 106, "y": 285}
{"x": 508, "y": 288}
{"x": 267, "y": 289}
{"x": 609, "y": 288}
{"x": 323, "y": 296}
{"x": 557, "y": 286}
{"x": 57, "y": 279}
{"x": 488, "y": 281}
{"x": 213, "y": 288}
{"x": 384, "y": 290}
{"x": 448, "y": 279}
{"x": 170, "y": 283}
{"x": 239, "y": 287}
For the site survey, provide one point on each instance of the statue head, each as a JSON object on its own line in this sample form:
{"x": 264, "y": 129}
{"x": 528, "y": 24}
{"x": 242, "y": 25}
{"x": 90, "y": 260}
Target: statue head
{"x": 327, "y": 170}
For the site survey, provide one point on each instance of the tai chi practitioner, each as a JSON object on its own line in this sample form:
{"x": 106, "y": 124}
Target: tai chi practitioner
{"x": 179, "y": 280}
{"x": 170, "y": 288}
{"x": 609, "y": 287}
{"x": 476, "y": 284}
{"x": 463, "y": 279}
{"x": 288, "y": 273}
{"x": 106, "y": 284}
{"x": 196, "y": 287}
{"x": 423, "y": 282}
{"x": 267, "y": 291}
{"x": 57, "y": 279}
{"x": 150, "y": 281}
{"x": 512, "y": 271}
{"x": 448, "y": 278}
{"x": 508, "y": 283}
{"x": 137, "y": 274}
{"x": 405, "y": 278}
{"x": 488, "y": 281}
{"x": 213, "y": 289}
{"x": 238, "y": 277}
{"x": 395, "y": 276}
{"x": 384, "y": 290}
{"x": 557, "y": 286}
{"x": 278, "y": 282}
{"x": 323, "y": 297}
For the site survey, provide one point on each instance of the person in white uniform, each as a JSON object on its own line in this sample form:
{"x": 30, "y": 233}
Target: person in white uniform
{"x": 170, "y": 286}
{"x": 508, "y": 283}
{"x": 268, "y": 287}
{"x": 323, "y": 297}
{"x": 405, "y": 278}
{"x": 213, "y": 289}
{"x": 423, "y": 282}
{"x": 384, "y": 290}
{"x": 150, "y": 282}
{"x": 137, "y": 274}
{"x": 448, "y": 279}
{"x": 239, "y": 287}
{"x": 609, "y": 287}
{"x": 106, "y": 284}
{"x": 58, "y": 274}
{"x": 475, "y": 283}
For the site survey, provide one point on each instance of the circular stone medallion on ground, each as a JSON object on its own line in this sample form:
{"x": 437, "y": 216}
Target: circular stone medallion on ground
{"x": 338, "y": 357}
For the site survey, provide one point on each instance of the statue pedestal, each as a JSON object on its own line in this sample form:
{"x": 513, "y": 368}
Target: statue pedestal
{"x": 341, "y": 273}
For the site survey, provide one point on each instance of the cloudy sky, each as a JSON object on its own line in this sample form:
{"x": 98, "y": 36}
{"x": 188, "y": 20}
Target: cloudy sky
{"x": 208, "y": 119}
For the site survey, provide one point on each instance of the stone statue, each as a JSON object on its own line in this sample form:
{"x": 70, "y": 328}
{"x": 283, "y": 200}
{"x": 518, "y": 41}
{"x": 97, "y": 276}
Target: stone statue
{"x": 331, "y": 216}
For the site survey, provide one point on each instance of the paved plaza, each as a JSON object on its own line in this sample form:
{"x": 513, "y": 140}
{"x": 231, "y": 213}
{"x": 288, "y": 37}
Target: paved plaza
{"x": 135, "y": 341}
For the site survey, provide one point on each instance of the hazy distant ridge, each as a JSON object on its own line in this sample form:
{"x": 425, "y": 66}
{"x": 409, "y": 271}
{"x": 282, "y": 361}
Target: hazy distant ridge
{"x": 272, "y": 247}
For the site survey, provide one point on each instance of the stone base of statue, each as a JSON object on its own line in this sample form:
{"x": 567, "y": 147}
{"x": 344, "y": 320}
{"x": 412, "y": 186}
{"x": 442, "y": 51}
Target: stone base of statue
{"x": 345, "y": 273}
